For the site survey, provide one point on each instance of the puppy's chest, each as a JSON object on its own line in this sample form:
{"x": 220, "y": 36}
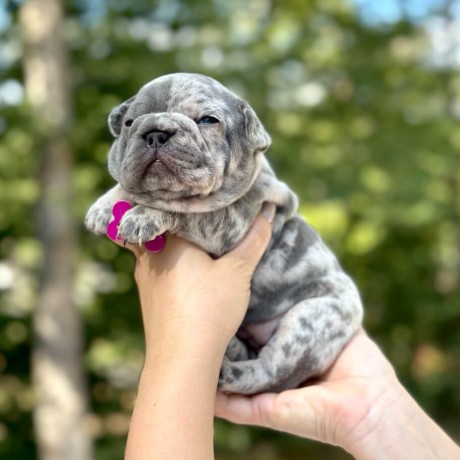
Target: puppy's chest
{"x": 219, "y": 231}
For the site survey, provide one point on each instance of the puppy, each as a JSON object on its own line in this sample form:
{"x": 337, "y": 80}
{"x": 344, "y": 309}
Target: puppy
{"x": 190, "y": 155}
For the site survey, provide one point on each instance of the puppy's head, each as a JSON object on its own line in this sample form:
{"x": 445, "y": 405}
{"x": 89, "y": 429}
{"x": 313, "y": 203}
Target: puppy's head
{"x": 186, "y": 136}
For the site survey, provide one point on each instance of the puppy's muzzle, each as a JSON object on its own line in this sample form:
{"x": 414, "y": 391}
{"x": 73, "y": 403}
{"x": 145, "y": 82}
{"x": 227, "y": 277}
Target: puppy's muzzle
{"x": 156, "y": 139}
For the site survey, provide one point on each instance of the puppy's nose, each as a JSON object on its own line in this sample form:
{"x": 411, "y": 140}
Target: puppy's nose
{"x": 156, "y": 139}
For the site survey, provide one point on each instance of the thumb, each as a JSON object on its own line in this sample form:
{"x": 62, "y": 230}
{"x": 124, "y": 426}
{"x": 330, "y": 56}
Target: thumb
{"x": 252, "y": 247}
{"x": 302, "y": 412}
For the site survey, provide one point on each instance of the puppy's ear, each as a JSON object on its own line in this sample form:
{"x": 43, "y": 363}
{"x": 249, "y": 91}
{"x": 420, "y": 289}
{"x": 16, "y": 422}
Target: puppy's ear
{"x": 258, "y": 138}
{"x": 116, "y": 117}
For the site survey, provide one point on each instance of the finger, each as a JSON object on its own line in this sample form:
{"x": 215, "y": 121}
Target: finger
{"x": 253, "y": 245}
{"x": 178, "y": 249}
{"x": 247, "y": 410}
{"x": 153, "y": 246}
{"x": 136, "y": 249}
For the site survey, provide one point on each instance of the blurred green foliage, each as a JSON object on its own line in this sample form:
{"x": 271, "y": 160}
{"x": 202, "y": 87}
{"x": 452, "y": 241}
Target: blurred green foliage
{"x": 364, "y": 120}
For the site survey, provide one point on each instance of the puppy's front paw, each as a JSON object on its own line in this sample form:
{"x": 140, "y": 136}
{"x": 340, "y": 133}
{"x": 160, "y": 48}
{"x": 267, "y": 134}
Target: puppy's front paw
{"x": 140, "y": 224}
{"x": 98, "y": 217}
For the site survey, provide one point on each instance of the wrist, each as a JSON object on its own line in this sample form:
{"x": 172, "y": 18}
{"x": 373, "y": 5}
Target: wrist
{"x": 183, "y": 367}
{"x": 186, "y": 350}
{"x": 183, "y": 335}
{"x": 395, "y": 426}
{"x": 381, "y": 426}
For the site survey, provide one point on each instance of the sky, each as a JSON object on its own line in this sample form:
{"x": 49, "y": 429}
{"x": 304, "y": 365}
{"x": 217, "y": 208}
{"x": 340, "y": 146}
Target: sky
{"x": 376, "y": 12}
{"x": 371, "y": 12}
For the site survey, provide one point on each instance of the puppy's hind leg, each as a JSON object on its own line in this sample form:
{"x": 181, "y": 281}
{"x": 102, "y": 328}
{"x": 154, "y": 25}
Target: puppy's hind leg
{"x": 237, "y": 350}
{"x": 307, "y": 341}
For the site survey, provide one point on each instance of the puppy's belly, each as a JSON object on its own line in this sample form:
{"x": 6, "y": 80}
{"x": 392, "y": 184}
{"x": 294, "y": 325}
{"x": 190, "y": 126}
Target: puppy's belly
{"x": 258, "y": 334}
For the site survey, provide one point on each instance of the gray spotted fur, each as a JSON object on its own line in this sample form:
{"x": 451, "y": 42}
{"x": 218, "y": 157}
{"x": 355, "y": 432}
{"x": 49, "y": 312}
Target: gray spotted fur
{"x": 207, "y": 183}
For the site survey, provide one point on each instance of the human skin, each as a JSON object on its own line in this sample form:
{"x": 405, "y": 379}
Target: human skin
{"x": 359, "y": 405}
{"x": 191, "y": 307}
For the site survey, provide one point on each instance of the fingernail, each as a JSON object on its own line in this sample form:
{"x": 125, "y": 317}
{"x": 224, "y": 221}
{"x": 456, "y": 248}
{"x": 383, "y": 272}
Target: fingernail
{"x": 268, "y": 211}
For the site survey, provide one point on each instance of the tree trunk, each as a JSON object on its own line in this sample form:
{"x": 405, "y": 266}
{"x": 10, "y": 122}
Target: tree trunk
{"x": 57, "y": 356}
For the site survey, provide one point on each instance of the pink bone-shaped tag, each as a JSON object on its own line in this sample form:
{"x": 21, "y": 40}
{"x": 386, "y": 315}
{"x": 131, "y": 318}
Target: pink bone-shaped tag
{"x": 118, "y": 211}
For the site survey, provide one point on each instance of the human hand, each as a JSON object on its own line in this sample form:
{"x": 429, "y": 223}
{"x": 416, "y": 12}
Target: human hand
{"x": 358, "y": 405}
{"x": 192, "y": 302}
{"x": 339, "y": 409}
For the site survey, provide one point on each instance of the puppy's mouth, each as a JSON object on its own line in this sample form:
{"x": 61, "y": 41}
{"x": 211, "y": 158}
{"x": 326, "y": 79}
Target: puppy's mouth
{"x": 166, "y": 155}
{"x": 156, "y": 168}
{"x": 156, "y": 143}
{"x": 161, "y": 162}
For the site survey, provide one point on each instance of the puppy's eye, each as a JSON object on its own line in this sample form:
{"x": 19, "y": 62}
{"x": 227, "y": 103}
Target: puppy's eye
{"x": 207, "y": 120}
{"x": 128, "y": 123}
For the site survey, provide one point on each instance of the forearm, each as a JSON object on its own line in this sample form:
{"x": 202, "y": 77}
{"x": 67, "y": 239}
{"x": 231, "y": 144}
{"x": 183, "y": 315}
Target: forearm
{"x": 173, "y": 414}
{"x": 401, "y": 430}
{"x": 189, "y": 317}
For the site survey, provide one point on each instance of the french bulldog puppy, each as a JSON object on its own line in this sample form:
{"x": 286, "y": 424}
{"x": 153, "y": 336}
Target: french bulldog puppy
{"x": 189, "y": 155}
